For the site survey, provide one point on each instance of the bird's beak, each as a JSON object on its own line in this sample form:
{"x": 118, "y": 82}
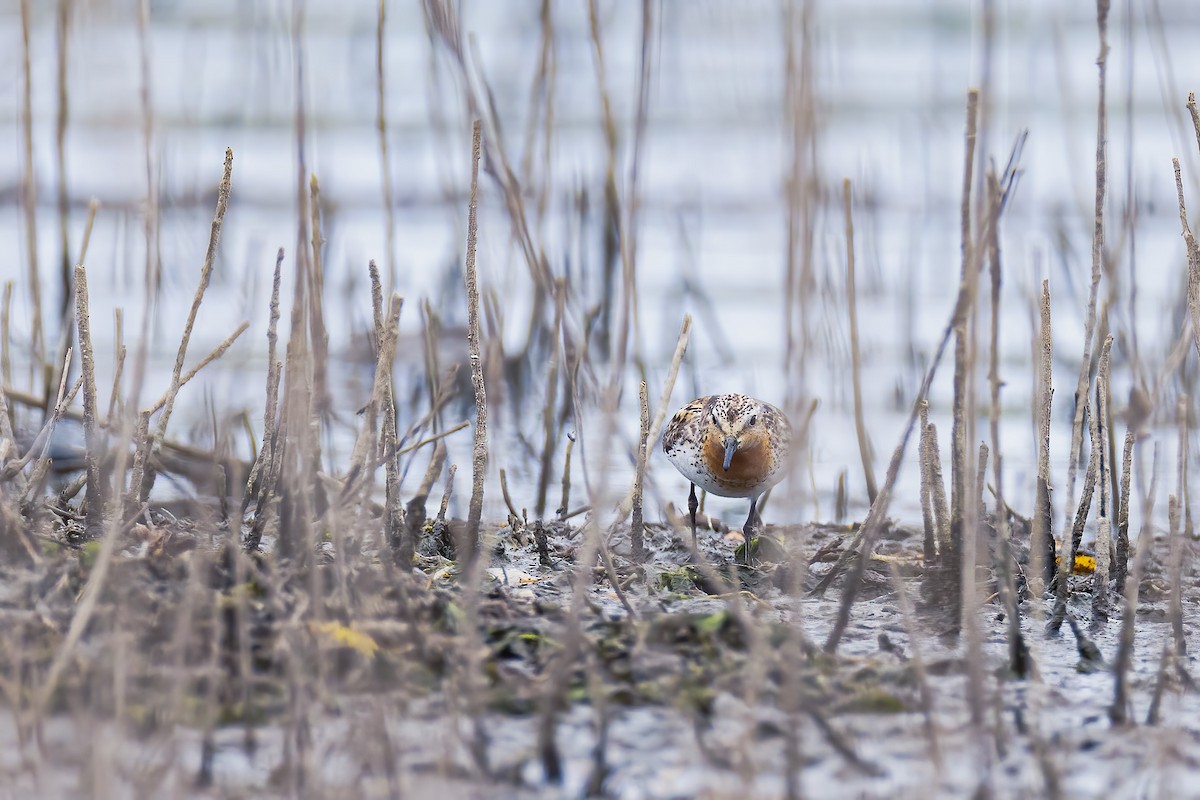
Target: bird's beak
{"x": 731, "y": 444}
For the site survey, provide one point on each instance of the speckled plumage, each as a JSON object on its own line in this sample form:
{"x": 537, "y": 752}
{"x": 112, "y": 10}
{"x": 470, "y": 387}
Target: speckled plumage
{"x": 729, "y": 445}
{"x": 761, "y": 430}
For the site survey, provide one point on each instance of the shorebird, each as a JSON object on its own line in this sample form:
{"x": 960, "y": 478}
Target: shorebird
{"x": 729, "y": 445}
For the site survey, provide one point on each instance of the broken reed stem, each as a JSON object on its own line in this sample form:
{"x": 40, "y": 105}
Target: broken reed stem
{"x": 142, "y": 479}
{"x": 566, "y": 478}
{"x": 119, "y": 351}
{"x": 6, "y": 336}
{"x": 1119, "y": 711}
{"x": 1042, "y": 549}
{"x": 941, "y": 506}
{"x": 212, "y": 356}
{"x": 1067, "y": 557}
{"x": 1193, "y": 251}
{"x": 1018, "y": 653}
{"x": 94, "y": 507}
{"x": 864, "y": 544}
{"x": 860, "y": 425}
{"x": 385, "y": 172}
{"x": 1122, "y": 566}
{"x": 638, "y": 526}
{"x": 560, "y": 293}
{"x": 41, "y": 442}
{"x": 1070, "y": 545}
{"x": 263, "y": 475}
{"x": 8, "y": 441}
{"x": 929, "y": 544}
{"x": 479, "y": 450}
{"x": 1104, "y": 523}
{"x": 393, "y": 530}
{"x": 29, "y": 198}
{"x": 414, "y": 511}
{"x": 958, "y": 432}
{"x": 660, "y": 412}
{"x": 61, "y": 115}
{"x": 1178, "y": 543}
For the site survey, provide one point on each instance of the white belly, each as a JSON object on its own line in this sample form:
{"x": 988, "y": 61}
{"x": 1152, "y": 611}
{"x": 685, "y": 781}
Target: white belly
{"x": 691, "y": 464}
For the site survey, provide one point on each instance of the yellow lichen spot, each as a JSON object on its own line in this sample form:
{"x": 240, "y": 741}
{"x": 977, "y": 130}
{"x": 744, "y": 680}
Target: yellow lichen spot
{"x": 1084, "y": 564}
{"x": 346, "y": 636}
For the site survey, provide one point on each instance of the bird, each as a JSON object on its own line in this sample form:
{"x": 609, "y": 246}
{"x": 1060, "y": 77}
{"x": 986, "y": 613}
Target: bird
{"x": 729, "y": 445}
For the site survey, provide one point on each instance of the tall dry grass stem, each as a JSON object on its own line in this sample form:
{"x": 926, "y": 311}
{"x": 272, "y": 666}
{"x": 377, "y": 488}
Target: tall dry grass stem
{"x": 1081, "y": 386}
{"x": 29, "y": 201}
{"x": 1121, "y": 712}
{"x": 962, "y": 356}
{"x": 94, "y": 508}
{"x": 479, "y": 452}
{"x": 143, "y": 477}
{"x": 860, "y": 424}
{"x": 637, "y": 526}
{"x": 1042, "y": 550}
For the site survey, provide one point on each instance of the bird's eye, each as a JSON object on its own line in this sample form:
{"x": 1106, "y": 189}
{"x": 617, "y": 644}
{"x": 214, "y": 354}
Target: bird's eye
{"x": 714, "y": 418}
{"x": 753, "y": 419}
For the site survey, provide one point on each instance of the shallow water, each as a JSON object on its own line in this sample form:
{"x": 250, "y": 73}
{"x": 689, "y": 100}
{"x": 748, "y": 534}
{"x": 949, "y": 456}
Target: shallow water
{"x": 891, "y": 82}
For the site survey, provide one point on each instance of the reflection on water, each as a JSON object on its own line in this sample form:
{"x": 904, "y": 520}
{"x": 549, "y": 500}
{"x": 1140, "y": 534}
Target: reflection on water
{"x": 890, "y": 80}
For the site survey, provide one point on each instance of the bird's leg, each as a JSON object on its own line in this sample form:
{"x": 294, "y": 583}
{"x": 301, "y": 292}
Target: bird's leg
{"x": 693, "y": 504}
{"x": 748, "y": 528}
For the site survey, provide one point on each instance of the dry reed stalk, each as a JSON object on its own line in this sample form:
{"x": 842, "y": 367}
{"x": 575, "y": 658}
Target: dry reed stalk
{"x": 929, "y": 544}
{"x": 638, "y": 526}
{"x": 803, "y": 180}
{"x": 414, "y": 511}
{"x": 566, "y": 478}
{"x": 1104, "y": 511}
{"x": 660, "y": 411}
{"x": 1119, "y": 713}
{"x": 1018, "y": 651}
{"x": 367, "y": 446}
{"x": 94, "y": 509}
{"x": 860, "y": 425}
{"x": 6, "y": 336}
{"x": 1041, "y": 546}
{"x": 88, "y": 597}
{"x": 1122, "y": 547}
{"x": 1072, "y": 538}
{"x": 611, "y": 245}
{"x": 941, "y": 506}
{"x": 385, "y": 169}
{"x": 1173, "y": 647}
{"x": 119, "y": 352}
{"x": 318, "y": 334}
{"x": 394, "y": 517}
{"x": 263, "y": 475}
{"x": 969, "y": 602}
{"x": 210, "y": 357}
{"x": 479, "y": 450}
{"x": 1179, "y": 536}
{"x": 8, "y": 441}
{"x": 962, "y": 357}
{"x": 29, "y": 199}
{"x": 547, "y": 455}
{"x": 152, "y": 273}
{"x": 41, "y": 442}
{"x": 1193, "y": 249}
{"x": 143, "y": 479}
{"x": 864, "y": 543}
{"x": 1081, "y": 385}
{"x": 61, "y": 115}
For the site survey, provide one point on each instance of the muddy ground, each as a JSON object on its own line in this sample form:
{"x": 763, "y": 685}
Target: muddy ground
{"x": 688, "y": 696}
